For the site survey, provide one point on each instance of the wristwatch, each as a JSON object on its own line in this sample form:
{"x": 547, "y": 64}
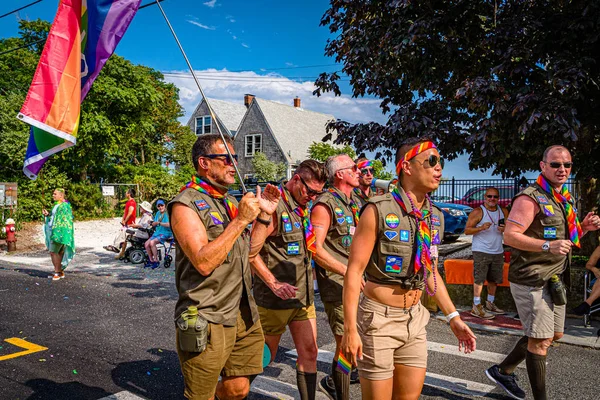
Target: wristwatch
{"x": 546, "y": 246}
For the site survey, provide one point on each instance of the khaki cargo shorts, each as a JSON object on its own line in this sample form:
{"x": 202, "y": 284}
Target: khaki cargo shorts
{"x": 231, "y": 351}
{"x": 274, "y": 321}
{"x": 390, "y": 337}
{"x": 538, "y": 314}
{"x": 56, "y": 248}
{"x": 488, "y": 267}
{"x": 335, "y": 316}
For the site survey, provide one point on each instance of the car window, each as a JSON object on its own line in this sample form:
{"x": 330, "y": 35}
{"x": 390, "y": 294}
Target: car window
{"x": 479, "y": 195}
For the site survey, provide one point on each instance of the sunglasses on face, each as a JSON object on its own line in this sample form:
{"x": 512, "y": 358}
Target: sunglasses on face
{"x": 366, "y": 171}
{"x": 434, "y": 160}
{"x": 223, "y": 157}
{"x": 492, "y": 196}
{"x": 310, "y": 192}
{"x": 557, "y": 165}
{"x": 352, "y": 167}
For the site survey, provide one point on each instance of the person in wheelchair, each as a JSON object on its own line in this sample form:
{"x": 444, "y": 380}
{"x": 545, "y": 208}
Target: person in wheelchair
{"x": 138, "y": 234}
{"x": 593, "y": 265}
{"x": 162, "y": 234}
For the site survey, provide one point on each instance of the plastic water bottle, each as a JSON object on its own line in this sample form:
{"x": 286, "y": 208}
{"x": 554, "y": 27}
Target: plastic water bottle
{"x": 558, "y": 291}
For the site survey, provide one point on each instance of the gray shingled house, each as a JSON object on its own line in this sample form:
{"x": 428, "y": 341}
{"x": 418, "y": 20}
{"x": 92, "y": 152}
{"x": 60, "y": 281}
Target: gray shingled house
{"x": 282, "y": 132}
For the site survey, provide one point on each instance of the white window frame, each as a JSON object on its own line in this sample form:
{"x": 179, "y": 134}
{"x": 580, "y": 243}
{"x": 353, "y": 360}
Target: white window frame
{"x": 255, "y": 149}
{"x": 203, "y": 120}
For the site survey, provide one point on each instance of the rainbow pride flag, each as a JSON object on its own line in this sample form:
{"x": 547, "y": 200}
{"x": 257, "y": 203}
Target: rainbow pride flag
{"x": 83, "y": 36}
{"x": 343, "y": 364}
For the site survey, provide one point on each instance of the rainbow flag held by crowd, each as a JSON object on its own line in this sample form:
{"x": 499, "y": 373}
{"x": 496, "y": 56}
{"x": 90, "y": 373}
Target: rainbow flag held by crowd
{"x": 83, "y": 36}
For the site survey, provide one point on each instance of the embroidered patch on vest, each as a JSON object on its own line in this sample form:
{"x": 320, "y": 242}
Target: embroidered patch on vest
{"x": 287, "y": 225}
{"x": 549, "y": 233}
{"x": 346, "y": 240}
{"x": 338, "y": 212}
{"x": 435, "y": 220}
{"x": 391, "y": 235}
{"x": 216, "y": 218}
{"x": 393, "y": 264}
{"x": 201, "y": 205}
{"x": 436, "y": 236}
{"x": 297, "y": 225}
{"x": 341, "y": 220}
{"x": 404, "y": 236}
{"x": 549, "y": 210}
{"x": 293, "y": 248}
{"x": 543, "y": 199}
{"x": 392, "y": 220}
{"x": 349, "y": 219}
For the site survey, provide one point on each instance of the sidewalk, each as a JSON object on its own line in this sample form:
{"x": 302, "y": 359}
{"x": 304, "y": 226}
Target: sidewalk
{"x": 575, "y": 333}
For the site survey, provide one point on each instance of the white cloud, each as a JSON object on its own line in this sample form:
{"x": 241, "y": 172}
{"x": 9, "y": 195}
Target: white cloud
{"x": 231, "y": 86}
{"x": 234, "y": 37}
{"x": 230, "y": 18}
{"x": 289, "y": 64}
{"x": 210, "y": 28}
{"x": 245, "y": 45}
{"x": 210, "y": 3}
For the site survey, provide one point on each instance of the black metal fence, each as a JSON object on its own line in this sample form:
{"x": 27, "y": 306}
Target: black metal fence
{"x": 461, "y": 190}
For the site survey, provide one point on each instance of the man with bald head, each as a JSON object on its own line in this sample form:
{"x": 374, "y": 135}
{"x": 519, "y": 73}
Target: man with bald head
{"x": 542, "y": 228}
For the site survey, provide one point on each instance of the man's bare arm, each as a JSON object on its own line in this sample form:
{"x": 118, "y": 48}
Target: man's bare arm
{"x": 474, "y": 218}
{"x": 320, "y": 218}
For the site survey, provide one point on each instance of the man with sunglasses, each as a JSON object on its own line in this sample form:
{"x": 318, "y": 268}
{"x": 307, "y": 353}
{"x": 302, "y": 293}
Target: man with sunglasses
{"x": 334, "y": 218}
{"x": 363, "y": 192}
{"x": 395, "y": 244}
{"x": 280, "y": 255}
{"x": 542, "y": 228}
{"x": 486, "y": 224}
{"x": 213, "y": 276}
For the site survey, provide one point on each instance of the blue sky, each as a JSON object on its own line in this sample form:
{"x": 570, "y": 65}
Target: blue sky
{"x": 271, "y": 48}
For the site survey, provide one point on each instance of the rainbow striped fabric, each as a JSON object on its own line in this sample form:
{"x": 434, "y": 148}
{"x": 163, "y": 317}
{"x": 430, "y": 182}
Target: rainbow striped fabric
{"x": 83, "y": 36}
{"x": 413, "y": 152}
{"x": 343, "y": 364}
{"x": 565, "y": 198}
{"x": 204, "y": 187}
{"x": 364, "y": 164}
{"x": 304, "y": 213}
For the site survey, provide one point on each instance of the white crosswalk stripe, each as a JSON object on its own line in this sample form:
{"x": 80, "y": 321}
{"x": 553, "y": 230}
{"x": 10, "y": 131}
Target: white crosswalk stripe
{"x": 275, "y": 389}
{"x": 493, "y": 358}
{"x": 458, "y": 385}
{"x": 124, "y": 395}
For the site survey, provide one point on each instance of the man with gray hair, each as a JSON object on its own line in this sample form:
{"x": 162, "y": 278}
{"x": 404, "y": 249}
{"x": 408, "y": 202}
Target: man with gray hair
{"x": 334, "y": 218}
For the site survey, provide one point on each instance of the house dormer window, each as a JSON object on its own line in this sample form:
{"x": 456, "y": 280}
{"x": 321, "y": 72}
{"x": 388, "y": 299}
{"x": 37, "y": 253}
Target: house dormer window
{"x": 203, "y": 125}
{"x": 253, "y": 144}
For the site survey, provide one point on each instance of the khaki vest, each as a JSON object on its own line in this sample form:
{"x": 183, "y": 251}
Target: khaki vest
{"x": 359, "y": 197}
{"x": 227, "y": 289}
{"x": 286, "y": 256}
{"x": 550, "y": 223}
{"x": 392, "y": 259}
{"x": 337, "y": 243}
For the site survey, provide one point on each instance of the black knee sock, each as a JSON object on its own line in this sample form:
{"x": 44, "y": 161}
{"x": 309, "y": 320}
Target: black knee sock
{"x": 341, "y": 382}
{"x": 515, "y": 357}
{"x": 536, "y": 369}
{"x": 307, "y": 384}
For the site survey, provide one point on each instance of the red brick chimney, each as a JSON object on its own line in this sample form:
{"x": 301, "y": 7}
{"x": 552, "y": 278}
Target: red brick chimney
{"x": 297, "y": 102}
{"x": 248, "y": 99}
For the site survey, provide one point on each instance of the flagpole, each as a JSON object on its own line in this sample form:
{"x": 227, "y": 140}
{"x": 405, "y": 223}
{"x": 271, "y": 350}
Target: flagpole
{"x": 210, "y": 109}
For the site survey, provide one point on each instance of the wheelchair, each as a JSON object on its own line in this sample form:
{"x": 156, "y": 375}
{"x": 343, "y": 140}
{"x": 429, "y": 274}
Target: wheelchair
{"x": 167, "y": 247}
{"x": 587, "y": 289}
{"x": 136, "y": 252}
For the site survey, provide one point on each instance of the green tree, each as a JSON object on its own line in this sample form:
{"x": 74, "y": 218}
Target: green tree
{"x": 320, "y": 151}
{"x": 499, "y": 80}
{"x": 266, "y": 170}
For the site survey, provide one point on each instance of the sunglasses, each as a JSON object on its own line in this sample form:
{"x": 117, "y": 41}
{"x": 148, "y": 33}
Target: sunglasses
{"x": 434, "y": 160}
{"x": 352, "y": 167}
{"x": 366, "y": 171}
{"x": 491, "y": 196}
{"x": 310, "y": 192}
{"x": 225, "y": 158}
{"x": 557, "y": 165}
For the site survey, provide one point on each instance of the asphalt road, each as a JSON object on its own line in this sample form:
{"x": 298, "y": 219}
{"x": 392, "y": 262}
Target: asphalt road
{"x": 114, "y": 336}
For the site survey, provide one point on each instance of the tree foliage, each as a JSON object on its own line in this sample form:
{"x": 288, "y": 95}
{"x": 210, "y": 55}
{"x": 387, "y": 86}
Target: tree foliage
{"x": 129, "y": 133}
{"x": 321, "y": 151}
{"x": 266, "y": 170}
{"x": 499, "y": 80}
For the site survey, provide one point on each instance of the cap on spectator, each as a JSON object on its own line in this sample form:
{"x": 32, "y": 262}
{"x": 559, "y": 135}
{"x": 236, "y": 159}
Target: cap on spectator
{"x": 160, "y": 202}
{"x": 146, "y": 206}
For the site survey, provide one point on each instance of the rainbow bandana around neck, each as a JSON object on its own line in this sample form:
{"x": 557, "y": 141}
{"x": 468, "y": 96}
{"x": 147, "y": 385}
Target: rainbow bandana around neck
{"x": 365, "y": 164}
{"x": 304, "y": 213}
{"x": 565, "y": 198}
{"x": 413, "y": 152}
{"x": 206, "y": 188}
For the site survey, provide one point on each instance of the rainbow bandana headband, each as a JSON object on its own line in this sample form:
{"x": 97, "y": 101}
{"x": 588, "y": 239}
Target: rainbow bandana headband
{"x": 365, "y": 164}
{"x": 565, "y": 198}
{"x": 413, "y": 152}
